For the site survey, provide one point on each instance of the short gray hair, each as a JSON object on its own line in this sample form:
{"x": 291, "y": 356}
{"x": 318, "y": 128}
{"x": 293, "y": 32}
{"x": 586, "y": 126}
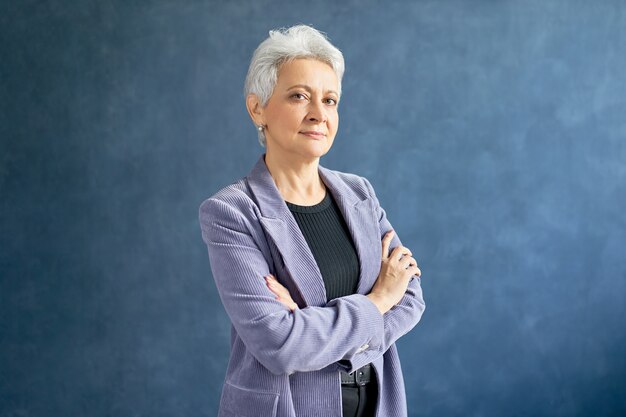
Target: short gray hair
{"x": 284, "y": 45}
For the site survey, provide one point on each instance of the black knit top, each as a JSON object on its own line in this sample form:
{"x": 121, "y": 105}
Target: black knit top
{"x": 329, "y": 239}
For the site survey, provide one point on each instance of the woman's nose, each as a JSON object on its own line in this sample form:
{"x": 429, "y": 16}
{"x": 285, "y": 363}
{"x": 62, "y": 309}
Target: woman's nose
{"x": 317, "y": 113}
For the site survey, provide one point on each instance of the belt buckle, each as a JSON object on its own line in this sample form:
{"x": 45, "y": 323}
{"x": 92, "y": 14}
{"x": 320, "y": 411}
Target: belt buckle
{"x": 360, "y": 378}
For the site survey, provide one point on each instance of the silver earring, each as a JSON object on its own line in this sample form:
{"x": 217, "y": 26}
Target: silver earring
{"x": 260, "y": 128}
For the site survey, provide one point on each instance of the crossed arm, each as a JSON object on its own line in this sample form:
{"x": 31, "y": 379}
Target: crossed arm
{"x": 350, "y": 330}
{"x": 396, "y": 318}
{"x": 402, "y": 315}
{"x": 404, "y": 264}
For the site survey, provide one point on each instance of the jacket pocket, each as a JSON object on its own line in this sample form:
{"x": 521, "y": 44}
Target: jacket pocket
{"x": 244, "y": 402}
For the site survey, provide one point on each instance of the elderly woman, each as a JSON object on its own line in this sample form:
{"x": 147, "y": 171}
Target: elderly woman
{"x": 316, "y": 284}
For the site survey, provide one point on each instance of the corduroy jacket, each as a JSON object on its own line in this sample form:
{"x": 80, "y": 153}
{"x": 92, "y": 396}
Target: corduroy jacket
{"x": 284, "y": 363}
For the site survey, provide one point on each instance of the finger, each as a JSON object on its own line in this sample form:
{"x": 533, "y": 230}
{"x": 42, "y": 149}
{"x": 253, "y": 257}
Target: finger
{"x": 399, "y": 251}
{"x": 281, "y": 292}
{"x": 278, "y": 289}
{"x": 287, "y": 303}
{"x": 273, "y": 284}
{"x": 413, "y": 270}
{"x": 386, "y": 242}
{"x": 272, "y": 280}
{"x": 409, "y": 261}
{"x": 283, "y": 298}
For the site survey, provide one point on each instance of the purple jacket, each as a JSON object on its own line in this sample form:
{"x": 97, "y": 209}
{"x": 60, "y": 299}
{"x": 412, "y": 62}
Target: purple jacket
{"x": 284, "y": 363}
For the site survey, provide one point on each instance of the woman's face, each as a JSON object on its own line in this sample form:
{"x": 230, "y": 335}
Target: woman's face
{"x": 301, "y": 115}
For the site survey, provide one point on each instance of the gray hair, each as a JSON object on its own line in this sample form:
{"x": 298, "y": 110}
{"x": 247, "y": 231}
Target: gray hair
{"x": 284, "y": 45}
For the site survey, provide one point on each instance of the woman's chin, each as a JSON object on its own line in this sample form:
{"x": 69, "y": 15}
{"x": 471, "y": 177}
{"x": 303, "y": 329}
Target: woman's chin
{"x": 306, "y": 151}
{"x": 317, "y": 152}
{"x": 317, "y": 148}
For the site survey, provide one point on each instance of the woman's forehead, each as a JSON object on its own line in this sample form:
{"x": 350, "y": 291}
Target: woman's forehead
{"x": 307, "y": 72}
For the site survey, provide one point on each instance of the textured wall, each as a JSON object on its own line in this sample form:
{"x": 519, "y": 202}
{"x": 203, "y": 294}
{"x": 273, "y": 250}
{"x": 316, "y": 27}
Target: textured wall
{"x": 493, "y": 131}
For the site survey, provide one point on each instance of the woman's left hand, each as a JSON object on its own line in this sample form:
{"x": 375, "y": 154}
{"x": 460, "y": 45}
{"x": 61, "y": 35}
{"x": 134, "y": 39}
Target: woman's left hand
{"x": 282, "y": 294}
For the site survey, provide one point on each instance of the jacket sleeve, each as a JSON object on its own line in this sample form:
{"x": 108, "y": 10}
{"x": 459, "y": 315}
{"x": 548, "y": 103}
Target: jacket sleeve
{"x": 284, "y": 342}
{"x": 408, "y": 312}
{"x": 403, "y": 316}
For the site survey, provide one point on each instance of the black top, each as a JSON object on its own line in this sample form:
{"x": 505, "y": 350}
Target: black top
{"x": 329, "y": 239}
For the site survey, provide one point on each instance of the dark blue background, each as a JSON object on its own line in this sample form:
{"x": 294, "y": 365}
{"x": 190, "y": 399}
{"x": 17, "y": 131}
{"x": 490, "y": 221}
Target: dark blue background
{"x": 494, "y": 133}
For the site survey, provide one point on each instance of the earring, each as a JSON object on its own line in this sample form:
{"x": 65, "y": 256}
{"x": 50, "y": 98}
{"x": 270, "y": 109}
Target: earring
{"x": 260, "y": 128}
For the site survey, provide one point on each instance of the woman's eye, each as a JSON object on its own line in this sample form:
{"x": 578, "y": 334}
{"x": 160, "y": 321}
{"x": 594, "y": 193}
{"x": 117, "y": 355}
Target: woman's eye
{"x": 331, "y": 101}
{"x": 299, "y": 96}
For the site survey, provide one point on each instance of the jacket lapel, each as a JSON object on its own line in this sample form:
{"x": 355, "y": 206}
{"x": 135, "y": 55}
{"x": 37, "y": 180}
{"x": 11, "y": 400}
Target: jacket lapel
{"x": 363, "y": 226}
{"x": 285, "y": 233}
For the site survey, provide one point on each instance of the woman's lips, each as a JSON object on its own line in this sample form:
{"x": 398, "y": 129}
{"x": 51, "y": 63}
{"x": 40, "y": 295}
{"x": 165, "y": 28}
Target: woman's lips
{"x": 314, "y": 135}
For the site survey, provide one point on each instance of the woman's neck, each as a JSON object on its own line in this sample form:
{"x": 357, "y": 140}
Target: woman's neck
{"x": 298, "y": 182}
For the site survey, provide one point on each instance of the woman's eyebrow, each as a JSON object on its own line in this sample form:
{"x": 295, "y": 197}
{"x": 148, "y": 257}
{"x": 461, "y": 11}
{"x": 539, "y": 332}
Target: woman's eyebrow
{"x": 307, "y": 88}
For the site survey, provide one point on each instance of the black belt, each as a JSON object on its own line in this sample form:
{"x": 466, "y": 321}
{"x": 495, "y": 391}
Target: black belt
{"x": 359, "y": 377}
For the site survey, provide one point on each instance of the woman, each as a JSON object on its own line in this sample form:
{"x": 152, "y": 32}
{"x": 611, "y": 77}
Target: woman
{"x": 317, "y": 286}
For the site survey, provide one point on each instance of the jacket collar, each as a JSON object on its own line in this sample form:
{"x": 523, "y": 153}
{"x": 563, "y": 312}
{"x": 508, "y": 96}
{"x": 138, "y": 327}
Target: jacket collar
{"x": 272, "y": 204}
{"x": 285, "y": 233}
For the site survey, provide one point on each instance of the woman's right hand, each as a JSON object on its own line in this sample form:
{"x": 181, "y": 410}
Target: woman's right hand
{"x": 396, "y": 270}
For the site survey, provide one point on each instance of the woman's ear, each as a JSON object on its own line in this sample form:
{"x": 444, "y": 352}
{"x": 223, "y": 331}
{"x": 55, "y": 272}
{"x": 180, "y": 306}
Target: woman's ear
{"x": 255, "y": 110}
